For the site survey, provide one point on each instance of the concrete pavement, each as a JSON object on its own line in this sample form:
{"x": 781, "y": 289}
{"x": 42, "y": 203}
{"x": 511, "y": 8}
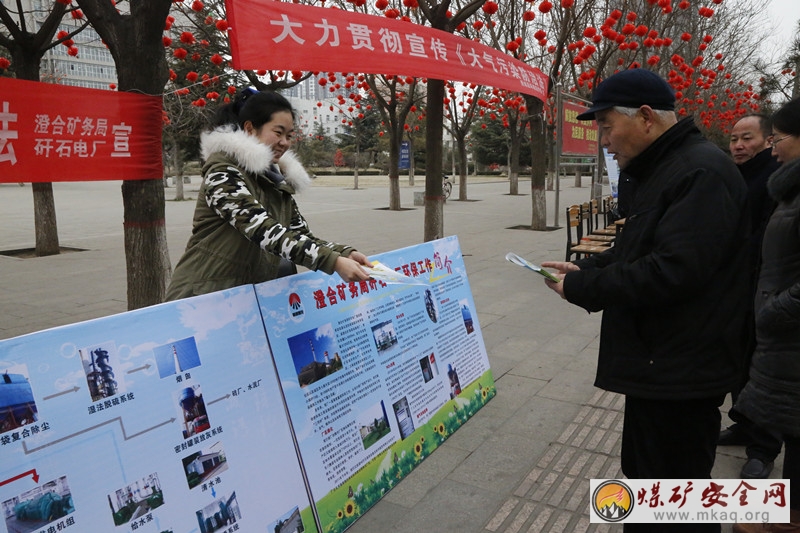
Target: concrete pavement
{"x": 521, "y": 464}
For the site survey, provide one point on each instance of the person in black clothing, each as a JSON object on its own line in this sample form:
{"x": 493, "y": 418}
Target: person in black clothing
{"x": 771, "y": 397}
{"x": 673, "y": 289}
{"x": 752, "y": 153}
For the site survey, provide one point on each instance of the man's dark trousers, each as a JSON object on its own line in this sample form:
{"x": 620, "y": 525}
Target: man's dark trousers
{"x": 665, "y": 439}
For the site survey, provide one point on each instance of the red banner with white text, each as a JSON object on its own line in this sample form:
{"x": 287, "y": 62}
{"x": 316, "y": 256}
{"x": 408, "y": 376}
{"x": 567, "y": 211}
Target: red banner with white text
{"x": 579, "y": 136}
{"x": 266, "y": 34}
{"x": 54, "y": 132}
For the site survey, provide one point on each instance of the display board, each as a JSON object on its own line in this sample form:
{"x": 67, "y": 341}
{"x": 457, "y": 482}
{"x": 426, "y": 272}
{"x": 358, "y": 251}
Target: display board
{"x": 376, "y": 376}
{"x": 291, "y": 406}
{"x": 165, "y": 419}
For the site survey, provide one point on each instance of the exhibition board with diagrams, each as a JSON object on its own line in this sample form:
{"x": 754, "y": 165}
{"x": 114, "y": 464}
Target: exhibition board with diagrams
{"x": 293, "y": 405}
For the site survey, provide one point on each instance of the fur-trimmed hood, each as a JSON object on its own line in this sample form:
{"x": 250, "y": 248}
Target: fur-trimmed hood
{"x": 252, "y": 155}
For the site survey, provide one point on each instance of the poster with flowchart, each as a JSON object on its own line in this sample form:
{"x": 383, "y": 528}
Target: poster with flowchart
{"x": 376, "y": 374}
{"x": 291, "y": 406}
{"x": 165, "y": 419}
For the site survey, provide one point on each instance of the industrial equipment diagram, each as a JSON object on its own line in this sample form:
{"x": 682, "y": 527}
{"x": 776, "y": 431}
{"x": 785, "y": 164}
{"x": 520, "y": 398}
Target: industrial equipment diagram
{"x": 165, "y": 419}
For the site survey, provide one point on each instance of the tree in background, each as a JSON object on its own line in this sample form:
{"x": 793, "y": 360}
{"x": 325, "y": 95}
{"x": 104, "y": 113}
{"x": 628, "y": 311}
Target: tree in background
{"x": 200, "y": 80}
{"x": 569, "y": 40}
{"x": 135, "y": 41}
{"x": 450, "y": 17}
{"x": 361, "y": 125}
{"x": 316, "y": 148}
{"x": 461, "y": 106}
{"x": 338, "y": 158}
{"x": 27, "y": 37}
{"x": 395, "y": 97}
{"x": 491, "y": 140}
{"x": 578, "y": 43}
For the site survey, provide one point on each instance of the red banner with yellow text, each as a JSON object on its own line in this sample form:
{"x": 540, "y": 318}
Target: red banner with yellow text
{"x": 579, "y": 137}
{"x": 266, "y": 34}
{"x": 54, "y": 132}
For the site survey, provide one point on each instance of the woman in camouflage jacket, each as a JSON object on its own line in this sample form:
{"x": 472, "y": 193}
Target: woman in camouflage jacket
{"x": 246, "y": 224}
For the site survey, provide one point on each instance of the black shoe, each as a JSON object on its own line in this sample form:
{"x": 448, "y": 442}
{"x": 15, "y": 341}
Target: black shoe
{"x": 733, "y": 436}
{"x": 756, "y": 469}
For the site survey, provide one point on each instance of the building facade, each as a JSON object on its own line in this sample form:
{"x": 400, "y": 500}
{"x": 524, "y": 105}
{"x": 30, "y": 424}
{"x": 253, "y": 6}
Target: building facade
{"x": 93, "y": 66}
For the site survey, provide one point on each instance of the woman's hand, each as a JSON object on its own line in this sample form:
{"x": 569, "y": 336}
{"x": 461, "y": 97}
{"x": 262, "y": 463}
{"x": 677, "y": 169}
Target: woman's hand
{"x": 350, "y": 268}
{"x": 360, "y": 258}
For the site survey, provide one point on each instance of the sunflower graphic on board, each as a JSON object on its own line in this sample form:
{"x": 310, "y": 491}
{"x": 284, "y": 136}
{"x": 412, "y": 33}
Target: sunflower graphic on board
{"x": 612, "y": 501}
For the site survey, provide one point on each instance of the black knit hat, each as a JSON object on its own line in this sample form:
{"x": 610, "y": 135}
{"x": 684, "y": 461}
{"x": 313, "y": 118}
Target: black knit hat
{"x": 631, "y": 88}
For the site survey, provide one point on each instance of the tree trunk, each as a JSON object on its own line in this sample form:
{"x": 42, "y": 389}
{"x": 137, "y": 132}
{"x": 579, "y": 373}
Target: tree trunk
{"x": 135, "y": 42}
{"x": 394, "y": 171}
{"x": 148, "y": 265}
{"x": 44, "y": 219}
{"x": 513, "y": 161}
{"x": 796, "y": 83}
{"x": 178, "y": 162}
{"x": 463, "y": 169}
{"x": 355, "y": 167}
{"x": 410, "y": 163}
{"x": 434, "y": 200}
{"x": 45, "y": 227}
{"x": 538, "y": 164}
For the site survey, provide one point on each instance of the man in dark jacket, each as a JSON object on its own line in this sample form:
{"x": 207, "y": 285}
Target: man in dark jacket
{"x": 673, "y": 289}
{"x": 752, "y": 153}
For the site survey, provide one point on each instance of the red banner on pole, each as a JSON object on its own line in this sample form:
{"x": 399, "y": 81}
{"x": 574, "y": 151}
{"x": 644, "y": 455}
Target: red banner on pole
{"x": 579, "y": 137}
{"x": 60, "y": 133}
{"x": 266, "y": 34}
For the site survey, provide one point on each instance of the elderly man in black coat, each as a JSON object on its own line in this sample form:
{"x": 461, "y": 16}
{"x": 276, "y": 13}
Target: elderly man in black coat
{"x": 674, "y": 287}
